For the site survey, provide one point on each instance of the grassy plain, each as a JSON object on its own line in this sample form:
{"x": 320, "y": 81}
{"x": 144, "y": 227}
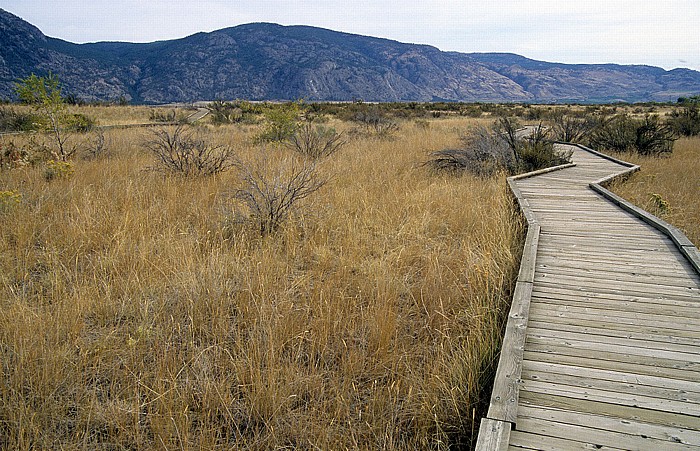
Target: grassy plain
{"x": 133, "y": 316}
{"x": 669, "y": 187}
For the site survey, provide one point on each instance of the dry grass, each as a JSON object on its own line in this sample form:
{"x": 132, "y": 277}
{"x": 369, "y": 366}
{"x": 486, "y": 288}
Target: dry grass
{"x": 669, "y": 187}
{"x": 132, "y": 317}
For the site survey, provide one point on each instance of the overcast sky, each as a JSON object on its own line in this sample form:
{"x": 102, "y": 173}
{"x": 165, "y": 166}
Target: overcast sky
{"x": 662, "y": 33}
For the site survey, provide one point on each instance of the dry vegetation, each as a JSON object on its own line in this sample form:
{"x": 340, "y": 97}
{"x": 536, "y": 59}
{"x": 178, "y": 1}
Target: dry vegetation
{"x": 137, "y": 312}
{"x": 669, "y": 187}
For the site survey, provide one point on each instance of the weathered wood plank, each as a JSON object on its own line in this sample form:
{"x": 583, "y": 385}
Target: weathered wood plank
{"x": 617, "y": 389}
{"x": 605, "y": 332}
{"x": 672, "y": 436}
{"x": 595, "y": 437}
{"x": 610, "y": 375}
{"x": 615, "y": 341}
{"x": 504, "y": 396}
{"x": 494, "y": 435}
{"x": 526, "y": 440}
{"x": 658, "y": 417}
{"x": 611, "y": 351}
{"x": 608, "y": 361}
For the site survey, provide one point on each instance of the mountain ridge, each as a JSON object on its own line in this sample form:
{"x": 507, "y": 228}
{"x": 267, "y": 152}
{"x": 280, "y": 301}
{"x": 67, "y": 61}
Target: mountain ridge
{"x": 267, "y": 61}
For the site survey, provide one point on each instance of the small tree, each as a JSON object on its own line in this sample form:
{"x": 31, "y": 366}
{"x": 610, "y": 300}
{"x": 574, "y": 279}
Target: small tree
{"x": 44, "y": 95}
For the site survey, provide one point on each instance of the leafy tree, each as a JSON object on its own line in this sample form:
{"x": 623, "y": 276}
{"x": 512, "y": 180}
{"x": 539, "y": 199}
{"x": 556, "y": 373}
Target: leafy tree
{"x": 44, "y": 95}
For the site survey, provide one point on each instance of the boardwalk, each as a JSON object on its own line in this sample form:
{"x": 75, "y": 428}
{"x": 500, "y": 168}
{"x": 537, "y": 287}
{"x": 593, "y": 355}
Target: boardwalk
{"x": 602, "y": 348}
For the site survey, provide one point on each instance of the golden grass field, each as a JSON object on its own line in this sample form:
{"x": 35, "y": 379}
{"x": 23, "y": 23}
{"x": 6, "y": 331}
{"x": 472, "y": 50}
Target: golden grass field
{"x": 135, "y": 313}
{"x": 132, "y": 316}
{"x": 669, "y": 187}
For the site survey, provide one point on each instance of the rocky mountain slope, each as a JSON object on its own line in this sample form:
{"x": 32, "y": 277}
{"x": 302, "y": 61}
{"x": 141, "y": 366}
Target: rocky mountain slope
{"x": 271, "y": 62}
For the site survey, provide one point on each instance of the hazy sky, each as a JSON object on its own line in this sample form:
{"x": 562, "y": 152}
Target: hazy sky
{"x": 663, "y": 33}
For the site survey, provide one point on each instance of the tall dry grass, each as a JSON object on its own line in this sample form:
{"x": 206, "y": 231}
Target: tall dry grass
{"x": 133, "y": 317}
{"x": 669, "y": 187}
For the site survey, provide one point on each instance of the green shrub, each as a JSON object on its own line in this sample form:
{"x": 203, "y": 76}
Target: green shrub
{"x": 58, "y": 170}
{"x": 14, "y": 121}
{"x": 281, "y": 122}
{"x": 79, "y": 123}
{"x": 686, "y": 121}
{"x": 9, "y": 200}
{"x": 315, "y": 141}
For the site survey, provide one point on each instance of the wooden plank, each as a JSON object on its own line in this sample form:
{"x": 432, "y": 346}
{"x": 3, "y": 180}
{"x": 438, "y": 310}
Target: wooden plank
{"x": 494, "y": 435}
{"x": 548, "y": 312}
{"x": 525, "y": 440}
{"x": 618, "y": 390}
{"x": 618, "y": 273}
{"x": 610, "y": 324}
{"x": 596, "y": 437}
{"x": 622, "y": 332}
{"x": 615, "y": 341}
{"x": 626, "y": 306}
{"x": 579, "y": 293}
{"x": 590, "y": 260}
{"x": 610, "y": 375}
{"x": 504, "y": 396}
{"x": 527, "y": 263}
{"x": 564, "y": 263}
{"x": 673, "y": 435}
{"x": 645, "y": 354}
{"x": 607, "y": 361}
{"x": 619, "y": 288}
{"x": 657, "y": 417}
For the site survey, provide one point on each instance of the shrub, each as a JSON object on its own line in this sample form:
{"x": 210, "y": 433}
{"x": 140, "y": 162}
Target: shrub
{"x": 162, "y": 116}
{"x": 653, "y": 137}
{"x": 79, "y": 123}
{"x": 502, "y": 148}
{"x": 96, "y": 145}
{"x": 315, "y": 141}
{"x": 9, "y": 200}
{"x": 686, "y": 121}
{"x": 375, "y": 121}
{"x": 622, "y": 133}
{"x": 571, "y": 128}
{"x": 281, "y": 122}
{"x": 58, "y": 170}
{"x": 12, "y": 156}
{"x": 271, "y": 196}
{"x": 483, "y": 153}
{"x": 14, "y": 121}
{"x": 180, "y": 150}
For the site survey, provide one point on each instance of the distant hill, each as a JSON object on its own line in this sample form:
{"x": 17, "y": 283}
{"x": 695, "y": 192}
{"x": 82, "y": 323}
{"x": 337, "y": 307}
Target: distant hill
{"x": 264, "y": 61}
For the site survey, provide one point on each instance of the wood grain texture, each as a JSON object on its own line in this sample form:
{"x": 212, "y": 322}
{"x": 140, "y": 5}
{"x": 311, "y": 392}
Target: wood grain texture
{"x": 607, "y": 354}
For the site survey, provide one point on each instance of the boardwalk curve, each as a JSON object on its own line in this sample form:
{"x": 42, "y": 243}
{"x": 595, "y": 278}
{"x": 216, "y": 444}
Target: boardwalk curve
{"x": 602, "y": 343}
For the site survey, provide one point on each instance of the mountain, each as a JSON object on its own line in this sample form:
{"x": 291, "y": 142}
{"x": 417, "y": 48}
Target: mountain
{"x": 263, "y": 61}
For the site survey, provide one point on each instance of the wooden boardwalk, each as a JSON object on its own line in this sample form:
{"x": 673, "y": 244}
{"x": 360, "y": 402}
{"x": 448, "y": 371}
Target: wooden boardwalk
{"x": 602, "y": 345}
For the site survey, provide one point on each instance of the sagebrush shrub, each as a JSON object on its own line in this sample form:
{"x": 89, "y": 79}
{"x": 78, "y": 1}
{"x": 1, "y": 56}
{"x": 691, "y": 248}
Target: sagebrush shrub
{"x": 315, "y": 141}
{"x": 182, "y": 150}
{"x": 271, "y": 195}
{"x": 623, "y": 133}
